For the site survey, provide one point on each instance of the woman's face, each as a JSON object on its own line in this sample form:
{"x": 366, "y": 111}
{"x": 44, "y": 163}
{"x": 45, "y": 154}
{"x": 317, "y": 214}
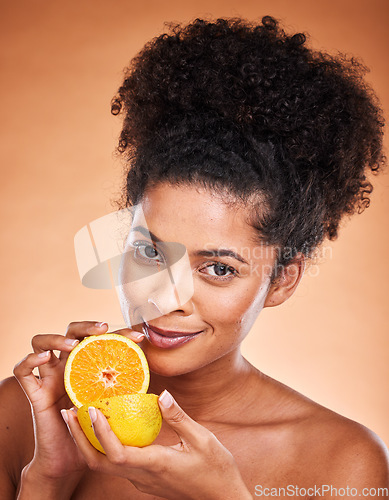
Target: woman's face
{"x": 228, "y": 270}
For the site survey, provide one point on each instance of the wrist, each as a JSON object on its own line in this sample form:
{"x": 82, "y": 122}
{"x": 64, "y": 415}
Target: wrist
{"x": 35, "y": 485}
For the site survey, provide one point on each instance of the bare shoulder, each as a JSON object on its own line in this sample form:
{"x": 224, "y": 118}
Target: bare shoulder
{"x": 349, "y": 453}
{"x": 334, "y": 449}
{"x": 16, "y": 429}
{"x": 15, "y": 407}
{"x": 353, "y": 451}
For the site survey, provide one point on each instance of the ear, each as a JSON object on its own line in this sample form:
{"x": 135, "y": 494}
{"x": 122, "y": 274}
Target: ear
{"x": 286, "y": 283}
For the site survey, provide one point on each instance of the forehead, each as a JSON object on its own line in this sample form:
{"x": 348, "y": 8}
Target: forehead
{"x": 196, "y": 217}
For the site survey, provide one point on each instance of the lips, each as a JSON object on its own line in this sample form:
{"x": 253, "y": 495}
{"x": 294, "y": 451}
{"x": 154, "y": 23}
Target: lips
{"x": 167, "y": 339}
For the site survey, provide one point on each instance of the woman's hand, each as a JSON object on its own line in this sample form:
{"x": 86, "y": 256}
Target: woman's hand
{"x": 197, "y": 467}
{"x": 56, "y": 458}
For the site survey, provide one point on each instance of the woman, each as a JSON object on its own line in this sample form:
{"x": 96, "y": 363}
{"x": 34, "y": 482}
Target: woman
{"x": 238, "y": 138}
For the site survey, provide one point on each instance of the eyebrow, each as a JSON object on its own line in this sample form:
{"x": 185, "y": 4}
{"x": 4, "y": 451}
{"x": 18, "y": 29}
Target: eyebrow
{"x": 146, "y": 233}
{"x": 216, "y": 252}
{"x": 221, "y": 252}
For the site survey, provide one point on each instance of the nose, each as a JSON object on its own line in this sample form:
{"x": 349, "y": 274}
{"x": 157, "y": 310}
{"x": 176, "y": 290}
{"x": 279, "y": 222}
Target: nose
{"x": 167, "y": 291}
{"x": 167, "y": 301}
{"x": 174, "y": 295}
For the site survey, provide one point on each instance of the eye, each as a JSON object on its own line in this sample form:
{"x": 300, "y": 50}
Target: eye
{"x": 147, "y": 252}
{"x": 218, "y": 270}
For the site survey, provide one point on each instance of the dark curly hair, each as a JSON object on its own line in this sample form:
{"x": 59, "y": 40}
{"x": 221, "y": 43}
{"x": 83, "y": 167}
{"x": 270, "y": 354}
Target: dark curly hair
{"x": 251, "y": 110}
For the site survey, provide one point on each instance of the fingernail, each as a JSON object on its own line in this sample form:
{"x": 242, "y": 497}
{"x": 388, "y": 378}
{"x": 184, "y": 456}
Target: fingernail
{"x": 166, "y": 399}
{"x": 65, "y": 416}
{"x": 101, "y": 325}
{"x": 92, "y": 414}
{"x": 139, "y": 336}
{"x": 43, "y": 354}
{"x": 71, "y": 342}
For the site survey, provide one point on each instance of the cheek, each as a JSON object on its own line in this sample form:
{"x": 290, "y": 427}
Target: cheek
{"x": 232, "y": 308}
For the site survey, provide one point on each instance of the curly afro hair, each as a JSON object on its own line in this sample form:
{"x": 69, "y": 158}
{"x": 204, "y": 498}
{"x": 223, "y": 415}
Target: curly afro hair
{"x": 251, "y": 110}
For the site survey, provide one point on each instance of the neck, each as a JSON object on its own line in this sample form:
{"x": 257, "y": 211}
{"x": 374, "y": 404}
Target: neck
{"x": 213, "y": 391}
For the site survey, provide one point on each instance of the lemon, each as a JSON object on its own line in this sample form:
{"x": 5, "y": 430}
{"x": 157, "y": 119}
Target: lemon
{"x": 135, "y": 419}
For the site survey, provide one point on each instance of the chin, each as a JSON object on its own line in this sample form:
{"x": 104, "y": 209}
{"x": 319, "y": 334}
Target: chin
{"x": 166, "y": 365}
{"x": 168, "y": 371}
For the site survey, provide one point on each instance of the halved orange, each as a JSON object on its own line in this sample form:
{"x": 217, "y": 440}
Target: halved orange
{"x": 102, "y": 366}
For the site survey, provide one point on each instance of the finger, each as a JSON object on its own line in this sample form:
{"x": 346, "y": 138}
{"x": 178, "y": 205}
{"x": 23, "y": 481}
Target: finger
{"x": 190, "y": 432}
{"x": 51, "y": 341}
{"x": 94, "y": 458}
{"x": 131, "y": 334}
{"x": 80, "y": 329}
{"x": 23, "y": 371}
{"x": 107, "y": 438}
{"x": 83, "y": 329}
{"x": 118, "y": 454}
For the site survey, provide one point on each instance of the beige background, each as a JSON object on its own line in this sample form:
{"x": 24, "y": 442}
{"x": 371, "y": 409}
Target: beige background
{"x": 61, "y": 64}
